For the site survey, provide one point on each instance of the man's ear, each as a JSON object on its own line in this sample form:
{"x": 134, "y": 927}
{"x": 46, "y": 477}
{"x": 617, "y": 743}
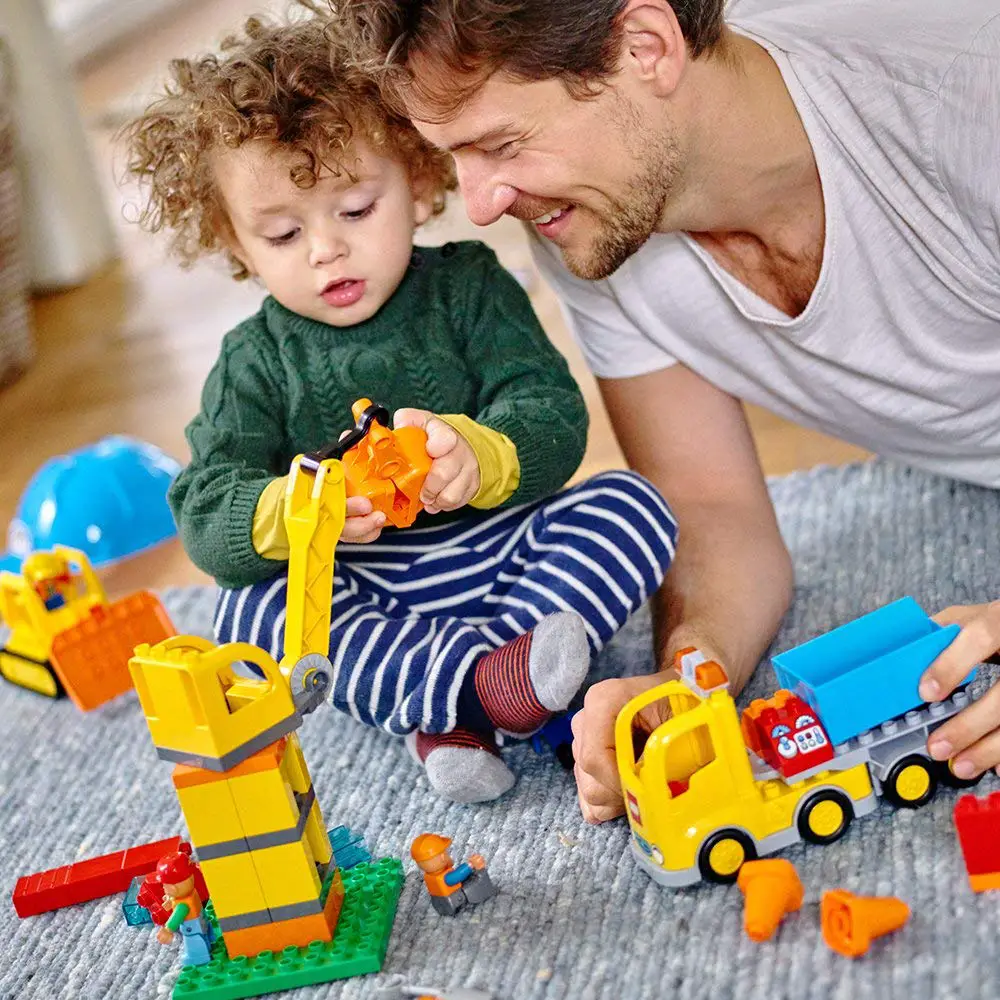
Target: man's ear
{"x": 653, "y": 47}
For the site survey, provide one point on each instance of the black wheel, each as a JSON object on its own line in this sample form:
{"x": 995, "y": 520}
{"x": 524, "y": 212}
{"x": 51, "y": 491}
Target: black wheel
{"x": 723, "y": 854}
{"x": 825, "y": 816}
{"x": 947, "y": 777}
{"x": 911, "y": 782}
{"x": 564, "y": 754}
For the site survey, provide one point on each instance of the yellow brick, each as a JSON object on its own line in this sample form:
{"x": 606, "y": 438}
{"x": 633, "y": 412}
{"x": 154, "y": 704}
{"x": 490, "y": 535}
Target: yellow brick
{"x": 317, "y": 837}
{"x": 233, "y": 885}
{"x": 287, "y": 873}
{"x": 265, "y": 802}
{"x": 210, "y": 813}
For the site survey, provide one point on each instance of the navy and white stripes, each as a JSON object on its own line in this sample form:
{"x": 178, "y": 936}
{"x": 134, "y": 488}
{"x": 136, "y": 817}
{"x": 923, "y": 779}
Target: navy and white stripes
{"x": 413, "y": 611}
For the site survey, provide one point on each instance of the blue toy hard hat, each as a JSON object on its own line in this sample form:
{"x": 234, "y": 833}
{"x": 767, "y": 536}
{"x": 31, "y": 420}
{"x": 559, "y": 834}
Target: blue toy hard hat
{"x": 109, "y": 500}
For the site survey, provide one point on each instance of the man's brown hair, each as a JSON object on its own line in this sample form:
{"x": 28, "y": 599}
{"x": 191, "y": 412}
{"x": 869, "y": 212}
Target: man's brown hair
{"x": 577, "y": 41}
{"x": 291, "y": 84}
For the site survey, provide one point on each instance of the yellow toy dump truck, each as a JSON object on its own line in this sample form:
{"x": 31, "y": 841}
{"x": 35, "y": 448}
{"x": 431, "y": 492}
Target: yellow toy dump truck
{"x": 709, "y": 791}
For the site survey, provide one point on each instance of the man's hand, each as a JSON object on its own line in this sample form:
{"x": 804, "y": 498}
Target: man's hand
{"x": 362, "y": 523}
{"x": 596, "y": 769}
{"x": 971, "y": 740}
{"x": 478, "y": 862}
{"x": 164, "y": 936}
{"x": 453, "y": 479}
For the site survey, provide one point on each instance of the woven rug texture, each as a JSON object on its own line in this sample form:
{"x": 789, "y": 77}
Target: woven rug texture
{"x": 575, "y": 918}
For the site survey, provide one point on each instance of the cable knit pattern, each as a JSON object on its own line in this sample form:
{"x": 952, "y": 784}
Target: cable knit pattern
{"x": 458, "y": 336}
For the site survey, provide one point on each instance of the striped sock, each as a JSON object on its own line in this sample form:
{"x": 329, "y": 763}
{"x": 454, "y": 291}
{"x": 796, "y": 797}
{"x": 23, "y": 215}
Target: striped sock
{"x": 466, "y": 739}
{"x": 500, "y": 694}
{"x": 518, "y": 687}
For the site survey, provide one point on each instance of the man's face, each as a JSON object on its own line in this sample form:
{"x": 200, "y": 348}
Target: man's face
{"x": 587, "y": 174}
{"x": 334, "y": 252}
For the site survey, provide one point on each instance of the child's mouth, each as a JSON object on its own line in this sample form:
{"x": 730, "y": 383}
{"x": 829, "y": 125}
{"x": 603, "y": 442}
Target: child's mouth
{"x": 344, "y": 292}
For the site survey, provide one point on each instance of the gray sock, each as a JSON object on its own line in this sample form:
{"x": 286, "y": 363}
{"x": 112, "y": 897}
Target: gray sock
{"x": 559, "y": 659}
{"x": 463, "y": 774}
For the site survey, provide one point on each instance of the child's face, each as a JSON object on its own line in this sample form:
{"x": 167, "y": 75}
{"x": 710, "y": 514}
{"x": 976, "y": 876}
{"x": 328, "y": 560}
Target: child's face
{"x": 334, "y": 252}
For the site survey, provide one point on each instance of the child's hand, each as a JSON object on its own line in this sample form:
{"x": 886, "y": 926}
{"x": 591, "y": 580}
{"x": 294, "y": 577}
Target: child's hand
{"x": 454, "y": 476}
{"x": 362, "y": 524}
{"x": 970, "y": 740}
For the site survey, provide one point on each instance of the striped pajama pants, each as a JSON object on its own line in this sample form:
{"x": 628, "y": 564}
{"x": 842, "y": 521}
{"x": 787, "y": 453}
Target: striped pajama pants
{"x": 413, "y": 611}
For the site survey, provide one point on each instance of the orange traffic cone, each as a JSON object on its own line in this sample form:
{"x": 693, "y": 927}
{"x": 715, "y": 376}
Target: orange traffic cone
{"x": 850, "y": 923}
{"x": 772, "y": 888}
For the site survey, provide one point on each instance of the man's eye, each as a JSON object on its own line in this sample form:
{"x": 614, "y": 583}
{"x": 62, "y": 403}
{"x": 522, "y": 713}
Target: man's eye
{"x": 284, "y": 238}
{"x": 360, "y": 213}
{"x": 504, "y": 152}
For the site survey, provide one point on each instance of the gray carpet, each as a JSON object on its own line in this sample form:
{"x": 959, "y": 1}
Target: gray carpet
{"x": 575, "y": 918}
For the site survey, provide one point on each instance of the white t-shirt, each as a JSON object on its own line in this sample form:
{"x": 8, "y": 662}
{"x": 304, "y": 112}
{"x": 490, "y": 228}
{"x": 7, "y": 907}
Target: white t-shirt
{"x": 898, "y": 348}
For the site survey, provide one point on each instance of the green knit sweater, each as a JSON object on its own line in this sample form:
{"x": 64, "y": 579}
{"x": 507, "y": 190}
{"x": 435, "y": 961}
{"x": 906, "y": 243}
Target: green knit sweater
{"x": 458, "y": 336}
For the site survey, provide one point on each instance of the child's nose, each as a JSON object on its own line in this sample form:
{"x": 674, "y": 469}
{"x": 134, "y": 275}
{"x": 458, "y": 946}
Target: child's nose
{"x": 326, "y": 248}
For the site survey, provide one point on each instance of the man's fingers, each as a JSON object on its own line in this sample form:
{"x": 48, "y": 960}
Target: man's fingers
{"x": 979, "y": 639}
{"x": 597, "y": 803}
{"x": 962, "y": 731}
{"x": 980, "y": 757}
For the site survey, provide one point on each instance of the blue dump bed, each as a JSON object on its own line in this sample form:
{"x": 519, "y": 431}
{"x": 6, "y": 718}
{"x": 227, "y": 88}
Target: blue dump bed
{"x": 867, "y": 671}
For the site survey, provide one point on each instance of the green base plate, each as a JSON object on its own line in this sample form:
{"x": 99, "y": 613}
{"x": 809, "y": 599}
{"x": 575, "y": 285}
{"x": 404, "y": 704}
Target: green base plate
{"x": 371, "y": 892}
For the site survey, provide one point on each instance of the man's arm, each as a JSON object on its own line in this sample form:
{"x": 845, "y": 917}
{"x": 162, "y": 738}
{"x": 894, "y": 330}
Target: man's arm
{"x": 731, "y": 581}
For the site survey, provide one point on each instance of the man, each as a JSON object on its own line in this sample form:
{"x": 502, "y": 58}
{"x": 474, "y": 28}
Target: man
{"x": 798, "y": 207}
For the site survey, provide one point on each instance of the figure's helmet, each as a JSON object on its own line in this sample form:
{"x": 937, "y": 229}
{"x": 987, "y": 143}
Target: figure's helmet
{"x": 427, "y": 846}
{"x": 109, "y": 500}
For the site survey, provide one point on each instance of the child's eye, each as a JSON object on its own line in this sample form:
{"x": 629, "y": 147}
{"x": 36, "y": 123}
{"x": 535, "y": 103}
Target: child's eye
{"x": 284, "y": 238}
{"x": 360, "y": 213}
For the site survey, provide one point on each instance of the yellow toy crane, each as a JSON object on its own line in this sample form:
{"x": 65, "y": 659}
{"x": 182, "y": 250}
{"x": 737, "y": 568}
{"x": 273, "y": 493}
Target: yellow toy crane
{"x": 241, "y": 777}
{"x": 65, "y": 636}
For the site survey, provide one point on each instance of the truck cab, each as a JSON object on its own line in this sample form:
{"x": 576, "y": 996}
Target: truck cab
{"x": 700, "y": 804}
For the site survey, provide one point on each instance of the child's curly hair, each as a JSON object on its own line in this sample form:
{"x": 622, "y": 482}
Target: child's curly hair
{"x": 290, "y": 83}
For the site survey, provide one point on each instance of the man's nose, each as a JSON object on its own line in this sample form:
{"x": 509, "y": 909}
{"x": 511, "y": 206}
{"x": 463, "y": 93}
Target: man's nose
{"x": 486, "y": 198}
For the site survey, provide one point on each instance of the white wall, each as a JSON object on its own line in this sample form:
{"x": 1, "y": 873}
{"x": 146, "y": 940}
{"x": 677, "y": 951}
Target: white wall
{"x": 87, "y": 26}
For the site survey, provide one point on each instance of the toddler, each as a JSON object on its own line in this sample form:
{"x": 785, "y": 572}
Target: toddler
{"x": 482, "y": 618}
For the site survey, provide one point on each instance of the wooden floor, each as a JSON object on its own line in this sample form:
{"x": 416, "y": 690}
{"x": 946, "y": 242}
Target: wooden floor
{"x": 127, "y": 353}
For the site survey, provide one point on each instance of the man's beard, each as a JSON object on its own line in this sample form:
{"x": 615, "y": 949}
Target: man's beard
{"x": 628, "y": 222}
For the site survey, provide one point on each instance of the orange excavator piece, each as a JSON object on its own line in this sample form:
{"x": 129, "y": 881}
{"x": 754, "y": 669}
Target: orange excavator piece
{"x": 91, "y": 658}
{"x": 772, "y": 888}
{"x": 850, "y": 923}
{"x": 387, "y": 466}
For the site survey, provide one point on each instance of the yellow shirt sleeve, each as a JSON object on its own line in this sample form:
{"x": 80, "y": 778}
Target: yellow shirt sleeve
{"x": 270, "y": 540}
{"x": 499, "y": 468}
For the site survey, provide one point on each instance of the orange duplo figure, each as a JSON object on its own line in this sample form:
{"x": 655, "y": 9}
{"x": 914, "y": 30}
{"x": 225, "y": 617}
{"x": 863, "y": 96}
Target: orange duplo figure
{"x": 772, "y": 888}
{"x": 850, "y": 923}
